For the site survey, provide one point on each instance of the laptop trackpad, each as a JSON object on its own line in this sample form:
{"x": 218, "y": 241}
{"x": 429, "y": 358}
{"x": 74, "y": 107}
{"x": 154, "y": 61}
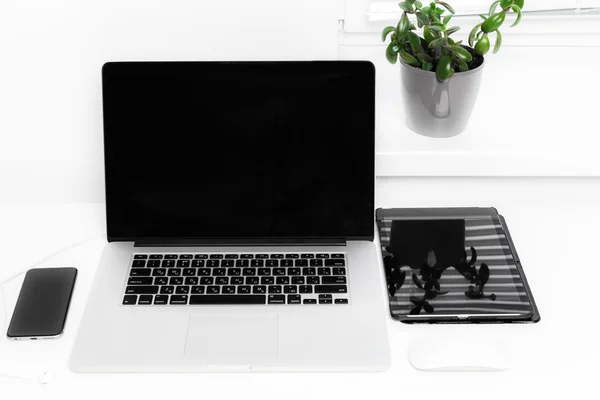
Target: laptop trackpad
{"x": 236, "y": 339}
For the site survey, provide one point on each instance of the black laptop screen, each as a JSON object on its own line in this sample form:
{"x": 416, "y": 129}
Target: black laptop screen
{"x": 239, "y": 150}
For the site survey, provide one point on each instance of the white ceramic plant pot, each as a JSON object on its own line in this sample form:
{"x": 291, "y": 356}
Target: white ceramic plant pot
{"x": 438, "y": 109}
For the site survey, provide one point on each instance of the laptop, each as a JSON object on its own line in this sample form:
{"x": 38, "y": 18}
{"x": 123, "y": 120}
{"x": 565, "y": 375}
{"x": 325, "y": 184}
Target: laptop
{"x": 240, "y": 220}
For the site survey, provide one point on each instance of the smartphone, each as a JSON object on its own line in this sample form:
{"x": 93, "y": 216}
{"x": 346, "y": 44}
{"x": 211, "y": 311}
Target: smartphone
{"x": 43, "y": 303}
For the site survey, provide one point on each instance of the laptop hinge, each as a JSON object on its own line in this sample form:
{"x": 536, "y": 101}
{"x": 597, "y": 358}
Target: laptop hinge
{"x": 239, "y": 242}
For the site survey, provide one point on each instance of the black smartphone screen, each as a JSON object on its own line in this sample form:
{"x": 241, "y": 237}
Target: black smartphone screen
{"x": 43, "y": 302}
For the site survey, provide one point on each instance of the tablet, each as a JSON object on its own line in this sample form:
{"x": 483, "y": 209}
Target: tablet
{"x": 452, "y": 265}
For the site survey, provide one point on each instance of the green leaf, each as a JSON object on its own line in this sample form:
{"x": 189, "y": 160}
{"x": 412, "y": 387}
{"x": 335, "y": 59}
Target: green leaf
{"x": 436, "y": 26}
{"x": 409, "y": 59}
{"x": 389, "y": 55}
{"x": 483, "y": 45}
{"x": 415, "y": 42}
{"x": 443, "y": 68}
{"x": 462, "y": 66}
{"x": 405, "y": 6}
{"x": 493, "y": 7}
{"x": 448, "y": 7}
{"x": 386, "y": 31}
{"x": 437, "y": 43}
{"x": 505, "y": 3}
{"x": 450, "y": 41}
{"x": 402, "y": 28}
{"x": 428, "y": 34}
{"x": 422, "y": 18}
{"x": 493, "y": 22}
{"x": 458, "y": 43}
{"x": 452, "y": 30}
{"x": 498, "y": 42}
{"x": 426, "y": 10}
{"x": 447, "y": 18}
{"x": 462, "y": 53}
{"x": 483, "y": 17}
{"x": 516, "y": 9}
{"x": 427, "y": 67}
{"x": 418, "y": 4}
{"x": 416, "y": 281}
{"x": 424, "y": 58}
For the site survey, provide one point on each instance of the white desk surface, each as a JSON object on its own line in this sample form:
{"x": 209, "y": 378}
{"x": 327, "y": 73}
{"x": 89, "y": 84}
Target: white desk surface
{"x": 554, "y": 223}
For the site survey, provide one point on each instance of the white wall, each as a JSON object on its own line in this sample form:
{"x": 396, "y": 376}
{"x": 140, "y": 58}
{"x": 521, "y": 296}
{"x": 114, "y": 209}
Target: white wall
{"x": 51, "y": 52}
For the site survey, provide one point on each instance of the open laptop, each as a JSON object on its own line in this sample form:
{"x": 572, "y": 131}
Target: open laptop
{"x": 240, "y": 220}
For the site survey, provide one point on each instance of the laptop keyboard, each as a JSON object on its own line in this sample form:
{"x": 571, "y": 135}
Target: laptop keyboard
{"x": 237, "y": 278}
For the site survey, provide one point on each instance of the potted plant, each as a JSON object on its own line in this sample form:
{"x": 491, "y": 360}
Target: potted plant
{"x": 440, "y": 76}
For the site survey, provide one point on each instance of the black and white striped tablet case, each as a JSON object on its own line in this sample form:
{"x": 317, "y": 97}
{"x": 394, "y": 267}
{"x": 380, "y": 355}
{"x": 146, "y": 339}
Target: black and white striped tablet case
{"x": 443, "y": 265}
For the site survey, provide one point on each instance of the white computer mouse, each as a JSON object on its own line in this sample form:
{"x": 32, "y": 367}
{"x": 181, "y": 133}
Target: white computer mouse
{"x": 454, "y": 353}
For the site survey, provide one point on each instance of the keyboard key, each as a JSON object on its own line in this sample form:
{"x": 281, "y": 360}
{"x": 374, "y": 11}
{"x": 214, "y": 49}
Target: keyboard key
{"x": 297, "y": 280}
{"x": 316, "y": 263}
{"x": 140, "y": 281}
{"x": 325, "y": 296}
{"x": 176, "y": 280}
{"x": 207, "y": 280}
{"x": 228, "y": 289}
{"x": 313, "y": 280}
{"x": 274, "y": 289}
{"x": 293, "y": 299}
{"x": 290, "y": 289}
{"x": 141, "y": 290}
{"x": 267, "y": 280}
{"x": 153, "y": 264}
{"x": 201, "y": 256}
{"x": 337, "y": 256}
{"x": 198, "y": 263}
{"x": 307, "y": 256}
{"x": 197, "y": 289}
{"x": 185, "y": 256}
{"x": 325, "y": 301}
{"x": 335, "y": 263}
{"x": 171, "y": 257}
{"x": 216, "y": 256}
{"x": 140, "y": 272}
{"x": 331, "y": 289}
{"x": 279, "y": 271}
{"x": 238, "y": 280}
{"x": 222, "y": 280}
{"x": 292, "y": 256}
{"x": 277, "y": 256}
{"x": 159, "y": 272}
{"x": 339, "y": 271}
{"x": 166, "y": 289}
{"x": 247, "y": 256}
{"x": 203, "y": 271}
{"x": 301, "y": 263}
{"x": 231, "y": 256}
{"x": 174, "y": 272}
{"x": 249, "y": 271}
{"x": 287, "y": 263}
{"x": 168, "y": 264}
{"x": 309, "y": 271}
{"x": 234, "y": 271}
{"x": 244, "y": 289}
{"x": 272, "y": 263}
{"x": 261, "y": 256}
{"x": 213, "y": 289}
{"x": 161, "y": 280}
{"x": 140, "y": 256}
{"x": 183, "y": 263}
{"x": 213, "y": 263}
{"x": 322, "y": 255}
{"x": 145, "y": 299}
{"x": 161, "y": 299}
{"x": 191, "y": 281}
{"x": 283, "y": 280}
{"x": 293, "y": 271}
{"x": 324, "y": 271}
{"x": 276, "y": 299}
{"x": 182, "y": 290}
{"x": 129, "y": 299}
{"x": 309, "y": 301}
{"x": 242, "y": 263}
{"x": 252, "y": 280}
{"x": 227, "y": 263}
{"x": 219, "y": 272}
{"x": 341, "y": 301}
{"x": 189, "y": 272}
{"x": 257, "y": 263}
{"x": 305, "y": 289}
{"x": 156, "y": 256}
{"x": 179, "y": 299}
{"x": 333, "y": 280}
{"x": 229, "y": 299}
{"x": 264, "y": 271}
{"x": 259, "y": 289}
